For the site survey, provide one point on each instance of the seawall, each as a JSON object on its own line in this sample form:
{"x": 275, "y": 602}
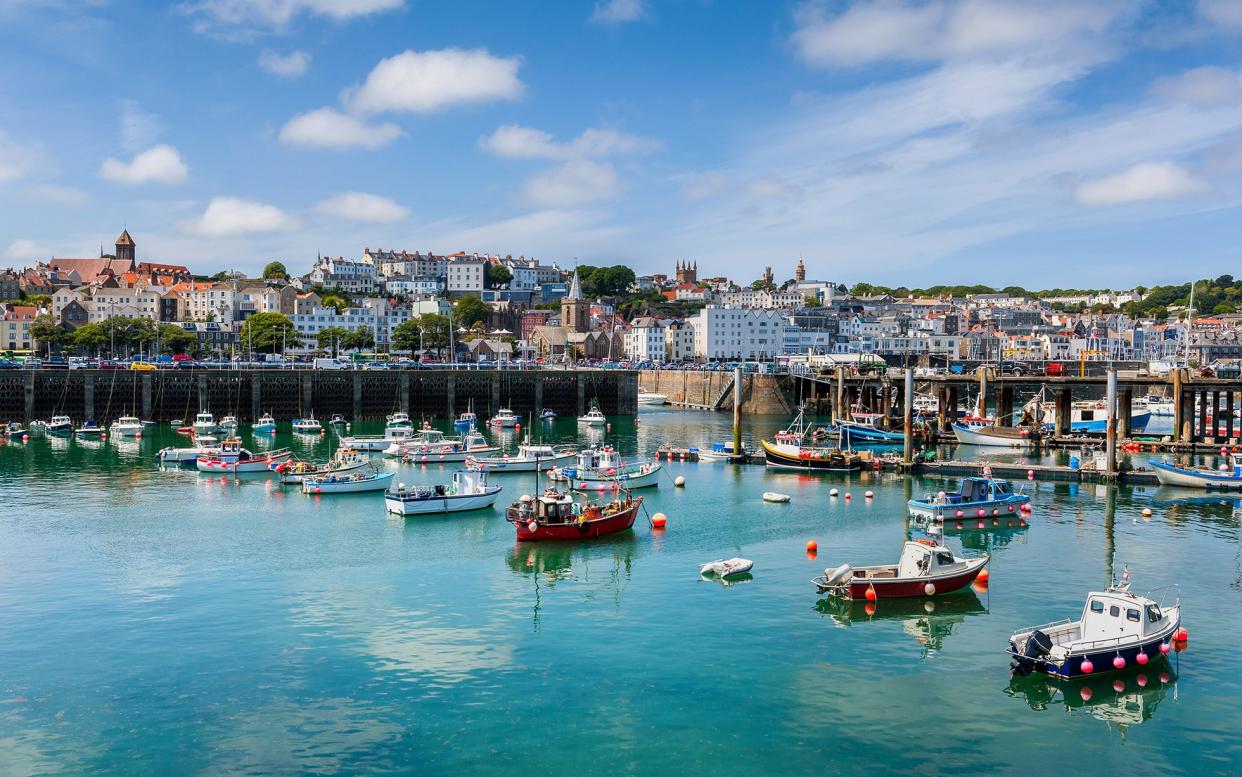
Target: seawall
{"x": 163, "y": 395}
{"x": 761, "y": 394}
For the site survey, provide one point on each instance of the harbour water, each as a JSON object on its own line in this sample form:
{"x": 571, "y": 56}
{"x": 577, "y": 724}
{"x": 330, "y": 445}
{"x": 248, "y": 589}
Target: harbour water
{"x": 167, "y": 622}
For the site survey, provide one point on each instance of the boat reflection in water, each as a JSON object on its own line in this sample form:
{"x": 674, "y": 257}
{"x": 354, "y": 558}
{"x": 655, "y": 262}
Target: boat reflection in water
{"x": 929, "y": 621}
{"x": 603, "y": 565}
{"x": 1123, "y": 699}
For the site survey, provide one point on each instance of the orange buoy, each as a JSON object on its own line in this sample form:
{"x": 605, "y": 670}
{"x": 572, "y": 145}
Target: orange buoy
{"x": 983, "y": 575}
{"x": 659, "y": 521}
{"x": 869, "y": 608}
{"x": 1181, "y": 635}
{"x": 870, "y": 595}
{"x": 811, "y": 546}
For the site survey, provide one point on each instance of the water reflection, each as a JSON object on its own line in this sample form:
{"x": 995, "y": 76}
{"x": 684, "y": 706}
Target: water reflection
{"x": 603, "y": 565}
{"x": 1122, "y": 700}
{"x": 928, "y": 621}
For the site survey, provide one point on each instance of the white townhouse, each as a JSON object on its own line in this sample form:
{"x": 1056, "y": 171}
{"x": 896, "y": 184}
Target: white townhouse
{"x": 734, "y": 333}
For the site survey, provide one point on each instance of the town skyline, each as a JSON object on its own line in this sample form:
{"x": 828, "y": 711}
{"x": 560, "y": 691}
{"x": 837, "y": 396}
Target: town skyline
{"x": 1088, "y": 139}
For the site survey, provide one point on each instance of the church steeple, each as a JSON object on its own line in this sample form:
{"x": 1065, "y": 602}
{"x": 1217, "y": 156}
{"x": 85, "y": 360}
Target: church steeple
{"x": 125, "y": 247}
{"x": 575, "y": 312}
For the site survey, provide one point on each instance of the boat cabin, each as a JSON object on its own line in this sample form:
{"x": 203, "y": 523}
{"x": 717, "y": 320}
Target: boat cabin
{"x": 430, "y": 436}
{"x": 919, "y": 559}
{"x": 550, "y": 507}
{"x": 473, "y": 440}
{"x": 979, "y": 490}
{"x": 1119, "y": 614}
{"x": 204, "y": 419}
{"x": 605, "y": 458}
{"x": 398, "y": 419}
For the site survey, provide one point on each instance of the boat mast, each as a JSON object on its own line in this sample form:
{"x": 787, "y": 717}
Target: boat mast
{"x": 1190, "y": 318}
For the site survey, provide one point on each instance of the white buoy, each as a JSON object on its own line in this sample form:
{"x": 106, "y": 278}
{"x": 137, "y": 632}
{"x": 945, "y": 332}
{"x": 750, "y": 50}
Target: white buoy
{"x": 401, "y": 486}
{"x": 679, "y": 481}
{"x": 1146, "y": 512}
{"x": 833, "y": 492}
{"x": 869, "y": 495}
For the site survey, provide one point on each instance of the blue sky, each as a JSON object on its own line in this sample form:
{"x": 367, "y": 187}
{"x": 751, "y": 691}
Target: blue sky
{"x": 1059, "y": 143}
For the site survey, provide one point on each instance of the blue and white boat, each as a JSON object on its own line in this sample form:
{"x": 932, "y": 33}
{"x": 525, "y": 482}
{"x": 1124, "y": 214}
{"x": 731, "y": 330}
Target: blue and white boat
{"x": 975, "y": 497}
{"x": 265, "y": 425}
{"x": 1091, "y": 417}
{"x": 466, "y": 422}
{"x": 1117, "y": 629}
{"x": 1227, "y": 477}
{"x": 863, "y": 428}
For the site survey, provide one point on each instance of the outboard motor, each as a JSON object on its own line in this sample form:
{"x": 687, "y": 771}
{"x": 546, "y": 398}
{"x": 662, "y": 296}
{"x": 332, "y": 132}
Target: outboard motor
{"x": 1031, "y": 657}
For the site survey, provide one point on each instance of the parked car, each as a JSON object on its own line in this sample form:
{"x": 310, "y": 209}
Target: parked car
{"x": 56, "y": 363}
{"x": 330, "y": 364}
{"x": 1014, "y": 369}
{"x": 143, "y": 366}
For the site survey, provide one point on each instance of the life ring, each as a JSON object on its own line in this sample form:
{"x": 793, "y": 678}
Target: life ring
{"x": 928, "y": 543}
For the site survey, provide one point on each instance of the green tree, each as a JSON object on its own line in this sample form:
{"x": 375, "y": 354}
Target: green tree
{"x": 38, "y": 300}
{"x": 268, "y": 331}
{"x": 430, "y": 330}
{"x": 275, "y": 271}
{"x": 613, "y": 281}
{"x": 498, "y": 275}
{"x": 174, "y": 339}
{"x": 1224, "y": 307}
{"x": 334, "y": 301}
{"x": 140, "y": 334}
{"x": 470, "y": 311}
{"x": 46, "y": 331}
{"x": 89, "y": 338}
{"x": 360, "y": 339}
{"x": 333, "y": 337}
{"x": 762, "y": 285}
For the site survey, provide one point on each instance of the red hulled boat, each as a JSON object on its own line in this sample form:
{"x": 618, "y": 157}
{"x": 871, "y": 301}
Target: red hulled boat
{"x": 924, "y": 569}
{"x": 556, "y": 516}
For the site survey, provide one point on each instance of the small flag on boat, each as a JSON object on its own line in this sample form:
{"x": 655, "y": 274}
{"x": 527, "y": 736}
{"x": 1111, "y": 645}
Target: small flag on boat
{"x": 1125, "y": 572}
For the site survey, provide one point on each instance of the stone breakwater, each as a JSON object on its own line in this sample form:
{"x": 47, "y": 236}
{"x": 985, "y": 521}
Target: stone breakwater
{"x": 163, "y": 395}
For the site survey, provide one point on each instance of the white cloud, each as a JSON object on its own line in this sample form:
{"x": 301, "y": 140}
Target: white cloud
{"x": 360, "y": 206}
{"x": 245, "y": 15}
{"x": 161, "y": 164}
{"x": 230, "y": 216}
{"x": 329, "y": 128}
{"x": 16, "y": 160}
{"x": 421, "y": 81}
{"x": 1226, "y": 13}
{"x": 556, "y": 231}
{"x": 26, "y": 251}
{"x": 574, "y": 183}
{"x": 139, "y": 129}
{"x": 1203, "y": 87}
{"x": 62, "y": 195}
{"x": 290, "y": 65}
{"x": 618, "y": 11}
{"x": 696, "y": 186}
{"x": 936, "y": 31}
{"x": 517, "y": 142}
{"x": 1142, "y": 182}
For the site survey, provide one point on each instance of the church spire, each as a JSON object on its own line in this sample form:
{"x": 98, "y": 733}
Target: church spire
{"x": 575, "y": 288}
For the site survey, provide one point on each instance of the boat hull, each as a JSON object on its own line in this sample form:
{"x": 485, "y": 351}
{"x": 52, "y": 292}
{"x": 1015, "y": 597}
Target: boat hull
{"x": 600, "y": 527}
{"x": 296, "y": 478}
{"x": 417, "y": 456}
{"x": 378, "y": 483}
{"x": 906, "y": 588}
{"x": 776, "y": 458}
{"x": 855, "y": 433}
{"x": 432, "y": 504}
{"x": 948, "y": 511}
{"x": 369, "y": 443}
{"x": 258, "y": 465}
{"x": 1102, "y": 660}
{"x": 1169, "y": 475}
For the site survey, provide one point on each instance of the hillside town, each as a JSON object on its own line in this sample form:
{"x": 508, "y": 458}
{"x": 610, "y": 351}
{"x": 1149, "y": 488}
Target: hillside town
{"x": 501, "y": 309}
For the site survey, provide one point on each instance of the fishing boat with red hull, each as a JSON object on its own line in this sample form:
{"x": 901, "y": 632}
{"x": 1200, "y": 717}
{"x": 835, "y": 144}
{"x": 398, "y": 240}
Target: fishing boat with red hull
{"x": 924, "y": 569}
{"x": 554, "y": 515}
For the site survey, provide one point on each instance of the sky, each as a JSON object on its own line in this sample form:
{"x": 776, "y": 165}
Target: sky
{"x": 1065, "y": 143}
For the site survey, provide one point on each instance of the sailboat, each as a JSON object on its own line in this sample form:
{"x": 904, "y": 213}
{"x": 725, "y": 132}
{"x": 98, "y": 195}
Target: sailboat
{"x": 788, "y": 451}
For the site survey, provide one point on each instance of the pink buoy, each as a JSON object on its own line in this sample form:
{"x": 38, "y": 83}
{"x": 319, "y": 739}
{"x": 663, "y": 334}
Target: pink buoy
{"x": 1165, "y": 648}
{"x": 982, "y": 512}
{"x": 1086, "y": 667}
{"x": 1119, "y": 685}
{"x": 995, "y": 511}
{"x": 1011, "y": 508}
{"x": 1141, "y": 680}
{"x": 960, "y": 513}
{"x": 1030, "y": 474}
{"x": 980, "y": 524}
{"x": 1084, "y": 693}
{"x": 1141, "y": 659}
{"x": 1119, "y": 663}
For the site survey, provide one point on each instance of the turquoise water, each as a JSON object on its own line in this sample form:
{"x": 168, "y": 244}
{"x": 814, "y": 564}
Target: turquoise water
{"x": 159, "y": 622}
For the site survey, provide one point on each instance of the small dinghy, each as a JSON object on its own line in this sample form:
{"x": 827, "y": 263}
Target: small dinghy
{"x": 773, "y": 496}
{"x": 1227, "y": 477}
{"x": 1117, "y": 629}
{"x": 924, "y": 569}
{"x": 723, "y": 569}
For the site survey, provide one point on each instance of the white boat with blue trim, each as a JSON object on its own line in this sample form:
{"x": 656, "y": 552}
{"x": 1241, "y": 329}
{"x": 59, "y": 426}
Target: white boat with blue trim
{"x": 1227, "y": 477}
{"x": 467, "y": 491}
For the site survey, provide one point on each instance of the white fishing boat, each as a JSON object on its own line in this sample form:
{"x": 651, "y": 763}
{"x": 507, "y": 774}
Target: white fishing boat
{"x": 602, "y": 469}
{"x": 548, "y": 414}
{"x": 89, "y": 430}
{"x": 171, "y": 455}
{"x": 228, "y": 424}
{"x": 1117, "y": 629}
{"x": 1227, "y": 477}
{"x": 1155, "y": 405}
{"x": 529, "y": 458}
{"x": 265, "y": 425}
{"x": 997, "y": 436}
{"x": 347, "y": 483}
{"x": 204, "y": 423}
{"x": 719, "y": 451}
{"x": 393, "y": 435}
{"x": 651, "y": 398}
{"x": 431, "y": 446}
{"x": 126, "y": 426}
{"x": 60, "y": 424}
{"x": 505, "y": 419}
{"x": 346, "y": 460}
{"x": 308, "y": 425}
{"x": 14, "y": 431}
{"x": 467, "y": 491}
{"x": 593, "y": 417}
